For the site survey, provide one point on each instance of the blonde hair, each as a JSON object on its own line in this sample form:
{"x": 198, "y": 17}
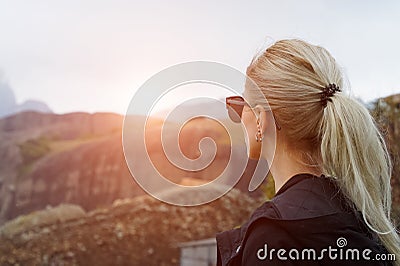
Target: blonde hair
{"x": 341, "y": 139}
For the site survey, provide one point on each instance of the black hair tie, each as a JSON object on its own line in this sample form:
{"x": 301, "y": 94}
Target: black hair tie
{"x": 327, "y": 92}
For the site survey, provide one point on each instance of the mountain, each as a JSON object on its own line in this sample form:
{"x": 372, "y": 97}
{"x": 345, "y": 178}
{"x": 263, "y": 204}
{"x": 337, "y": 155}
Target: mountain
{"x": 33, "y": 105}
{"x": 77, "y": 158}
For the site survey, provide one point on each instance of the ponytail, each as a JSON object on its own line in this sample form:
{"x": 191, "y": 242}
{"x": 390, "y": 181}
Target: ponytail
{"x": 353, "y": 150}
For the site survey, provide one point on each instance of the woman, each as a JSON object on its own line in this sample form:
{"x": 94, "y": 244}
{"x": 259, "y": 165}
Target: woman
{"x": 331, "y": 167}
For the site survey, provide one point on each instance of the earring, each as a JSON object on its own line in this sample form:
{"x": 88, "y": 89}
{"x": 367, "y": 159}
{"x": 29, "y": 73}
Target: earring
{"x": 259, "y": 135}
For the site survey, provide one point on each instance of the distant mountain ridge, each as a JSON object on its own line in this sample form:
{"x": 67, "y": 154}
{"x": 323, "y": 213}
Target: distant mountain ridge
{"x": 33, "y": 105}
{"x": 9, "y": 106}
{"x": 29, "y": 105}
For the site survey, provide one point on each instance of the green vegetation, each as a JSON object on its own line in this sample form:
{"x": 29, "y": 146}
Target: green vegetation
{"x": 268, "y": 187}
{"x": 33, "y": 149}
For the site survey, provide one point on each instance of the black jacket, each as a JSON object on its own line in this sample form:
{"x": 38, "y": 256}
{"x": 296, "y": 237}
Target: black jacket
{"x": 310, "y": 221}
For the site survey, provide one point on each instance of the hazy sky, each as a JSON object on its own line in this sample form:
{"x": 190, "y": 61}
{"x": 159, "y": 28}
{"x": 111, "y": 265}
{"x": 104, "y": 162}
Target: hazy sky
{"x": 92, "y": 55}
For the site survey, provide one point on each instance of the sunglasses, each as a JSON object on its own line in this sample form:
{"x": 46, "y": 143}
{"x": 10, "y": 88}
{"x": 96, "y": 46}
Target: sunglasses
{"x": 235, "y": 105}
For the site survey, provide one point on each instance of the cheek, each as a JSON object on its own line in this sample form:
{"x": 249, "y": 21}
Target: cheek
{"x": 250, "y": 123}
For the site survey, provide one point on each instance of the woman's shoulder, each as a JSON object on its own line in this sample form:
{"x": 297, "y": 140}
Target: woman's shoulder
{"x": 305, "y": 196}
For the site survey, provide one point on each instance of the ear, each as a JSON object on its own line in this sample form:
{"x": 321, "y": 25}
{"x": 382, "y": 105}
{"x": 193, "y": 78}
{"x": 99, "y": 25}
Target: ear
{"x": 262, "y": 118}
{"x": 265, "y": 118}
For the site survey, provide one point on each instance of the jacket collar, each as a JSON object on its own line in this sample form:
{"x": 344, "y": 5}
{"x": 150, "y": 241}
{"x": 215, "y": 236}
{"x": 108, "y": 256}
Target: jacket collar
{"x": 294, "y": 180}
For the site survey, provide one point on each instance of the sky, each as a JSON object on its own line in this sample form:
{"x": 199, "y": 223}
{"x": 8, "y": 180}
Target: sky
{"x": 93, "y": 55}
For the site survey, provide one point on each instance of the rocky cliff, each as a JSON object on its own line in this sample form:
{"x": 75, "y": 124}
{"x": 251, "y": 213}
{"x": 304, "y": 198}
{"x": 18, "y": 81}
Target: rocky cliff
{"x": 49, "y": 159}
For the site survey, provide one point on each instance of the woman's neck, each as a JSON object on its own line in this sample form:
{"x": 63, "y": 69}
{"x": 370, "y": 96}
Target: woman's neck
{"x": 286, "y": 165}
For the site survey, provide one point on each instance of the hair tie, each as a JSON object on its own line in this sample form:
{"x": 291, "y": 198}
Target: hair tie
{"x": 327, "y": 93}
